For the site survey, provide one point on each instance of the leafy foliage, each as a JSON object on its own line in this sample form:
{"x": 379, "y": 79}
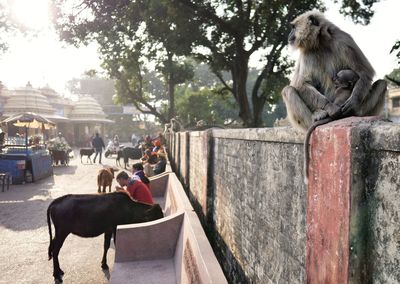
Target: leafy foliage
{"x": 396, "y": 48}
{"x": 232, "y": 31}
{"x": 100, "y": 88}
{"x": 223, "y": 34}
{"x": 132, "y": 35}
{"x": 205, "y": 105}
{"x": 394, "y": 77}
{"x": 360, "y": 11}
{"x": 7, "y": 25}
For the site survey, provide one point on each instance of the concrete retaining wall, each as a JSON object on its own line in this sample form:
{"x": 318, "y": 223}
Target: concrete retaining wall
{"x": 171, "y": 250}
{"x": 247, "y": 186}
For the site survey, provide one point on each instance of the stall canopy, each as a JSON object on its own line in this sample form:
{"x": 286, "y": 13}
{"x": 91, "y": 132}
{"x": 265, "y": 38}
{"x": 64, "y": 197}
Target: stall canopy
{"x": 30, "y": 120}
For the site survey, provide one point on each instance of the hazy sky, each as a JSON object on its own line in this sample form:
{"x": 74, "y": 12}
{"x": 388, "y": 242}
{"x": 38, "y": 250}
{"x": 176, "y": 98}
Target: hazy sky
{"x": 43, "y": 60}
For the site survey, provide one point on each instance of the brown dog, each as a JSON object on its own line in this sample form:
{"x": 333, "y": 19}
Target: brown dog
{"x": 104, "y": 178}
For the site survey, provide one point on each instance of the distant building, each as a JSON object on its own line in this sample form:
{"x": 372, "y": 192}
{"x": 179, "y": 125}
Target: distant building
{"x": 78, "y": 121}
{"x": 393, "y": 105}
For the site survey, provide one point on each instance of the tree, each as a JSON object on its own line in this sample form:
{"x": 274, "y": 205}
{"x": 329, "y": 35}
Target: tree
{"x": 396, "y": 48}
{"x": 100, "y": 88}
{"x": 394, "y": 77}
{"x": 205, "y": 105}
{"x": 7, "y": 25}
{"x": 224, "y": 34}
{"x": 232, "y": 31}
{"x": 132, "y": 34}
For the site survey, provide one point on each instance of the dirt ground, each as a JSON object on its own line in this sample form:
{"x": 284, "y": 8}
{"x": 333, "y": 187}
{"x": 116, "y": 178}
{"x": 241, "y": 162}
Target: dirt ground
{"x": 24, "y": 235}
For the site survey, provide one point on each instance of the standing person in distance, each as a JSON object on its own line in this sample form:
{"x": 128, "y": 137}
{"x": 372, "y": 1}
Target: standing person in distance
{"x": 98, "y": 145}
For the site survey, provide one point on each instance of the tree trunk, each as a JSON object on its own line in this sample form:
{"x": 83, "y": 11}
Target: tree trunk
{"x": 239, "y": 74}
{"x": 171, "y": 96}
{"x": 258, "y": 107}
{"x": 171, "y": 87}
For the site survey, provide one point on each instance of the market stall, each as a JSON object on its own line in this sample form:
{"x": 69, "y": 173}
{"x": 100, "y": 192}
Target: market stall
{"x": 26, "y": 159}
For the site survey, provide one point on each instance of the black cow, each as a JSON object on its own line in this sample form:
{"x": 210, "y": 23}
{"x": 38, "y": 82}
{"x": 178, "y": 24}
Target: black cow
{"x": 90, "y": 215}
{"x": 86, "y": 152}
{"x": 127, "y": 153}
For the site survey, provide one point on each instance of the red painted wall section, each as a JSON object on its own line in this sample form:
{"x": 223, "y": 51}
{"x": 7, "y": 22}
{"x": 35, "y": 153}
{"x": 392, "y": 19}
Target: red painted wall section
{"x": 328, "y": 210}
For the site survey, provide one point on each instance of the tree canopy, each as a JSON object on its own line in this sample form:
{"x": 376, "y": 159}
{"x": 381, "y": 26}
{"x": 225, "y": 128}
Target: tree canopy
{"x": 394, "y": 77}
{"x": 225, "y": 34}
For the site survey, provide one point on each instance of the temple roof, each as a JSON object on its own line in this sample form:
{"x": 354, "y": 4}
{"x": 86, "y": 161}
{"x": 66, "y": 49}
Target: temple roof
{"x": 88, "y": 109}
{"x": 27, "y": 100}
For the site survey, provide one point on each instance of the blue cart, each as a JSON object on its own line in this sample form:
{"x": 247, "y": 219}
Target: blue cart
{"x": 25, "y": 164}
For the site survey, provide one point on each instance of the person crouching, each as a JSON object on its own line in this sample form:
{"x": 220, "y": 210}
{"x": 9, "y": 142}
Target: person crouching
{"x": 136, "y": 189}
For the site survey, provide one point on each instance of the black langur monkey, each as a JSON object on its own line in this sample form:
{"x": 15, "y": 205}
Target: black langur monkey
{"x": 324, "y": 51}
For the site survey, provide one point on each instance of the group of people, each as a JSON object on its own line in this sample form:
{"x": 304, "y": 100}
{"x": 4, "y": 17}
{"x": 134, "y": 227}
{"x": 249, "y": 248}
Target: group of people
{"x": 154, "y": 159}
{"x": 153, "y": 162}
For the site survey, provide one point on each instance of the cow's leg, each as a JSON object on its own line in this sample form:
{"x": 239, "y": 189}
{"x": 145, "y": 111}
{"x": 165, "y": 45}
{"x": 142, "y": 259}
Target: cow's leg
{"x": 57, "y": 244}
{"x": 104, "y": 188}
{"x": 107, "y": 241}
{"x": 81, "y": 159}
{"x": 115, "y": 234}
{"x": 109, "y": 188}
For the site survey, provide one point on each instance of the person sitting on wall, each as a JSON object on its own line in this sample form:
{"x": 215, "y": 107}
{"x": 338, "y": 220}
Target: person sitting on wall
{"x": 138, "y": 173}
{"x": 149, "y": 157}
{"x": 148, "y": 169}
{"x": 161, "y": 164}
{"x": 157, "y": 146}
{"x": 147, "y": 144}
{"x": 161, "y": 138}
{"x": 136, "y": 189}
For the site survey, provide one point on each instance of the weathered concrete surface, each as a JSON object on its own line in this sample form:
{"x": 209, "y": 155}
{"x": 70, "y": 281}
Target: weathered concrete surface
{"x": 328, "y": 209}
{"x": 354, "y": 192}
{"x": 24, "y": 235}
{"x": 256, "y": 200}
{"x": 382, "y": 192}
{"x": 178, "y": 239}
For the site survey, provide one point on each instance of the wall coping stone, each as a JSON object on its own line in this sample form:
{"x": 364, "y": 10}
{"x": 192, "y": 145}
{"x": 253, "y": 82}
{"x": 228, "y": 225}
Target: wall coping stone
{"x": 284, "y": 134}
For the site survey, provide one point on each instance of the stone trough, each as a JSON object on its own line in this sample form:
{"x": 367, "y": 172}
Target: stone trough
{"x": 173, "y": 249}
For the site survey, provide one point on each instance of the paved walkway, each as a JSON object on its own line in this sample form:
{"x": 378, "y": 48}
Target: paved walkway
{"x": 24, "y": 235}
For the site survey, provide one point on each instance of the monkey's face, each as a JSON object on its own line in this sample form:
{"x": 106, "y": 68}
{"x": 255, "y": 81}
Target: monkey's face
{"x": 345, "y": 79}
{"x": 306, "y": 30}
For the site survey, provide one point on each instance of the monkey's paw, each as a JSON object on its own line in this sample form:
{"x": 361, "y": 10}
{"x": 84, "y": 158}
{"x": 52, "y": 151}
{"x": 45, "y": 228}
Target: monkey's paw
{"x": 319, "y": 114}
{"x": 334, "y": 111}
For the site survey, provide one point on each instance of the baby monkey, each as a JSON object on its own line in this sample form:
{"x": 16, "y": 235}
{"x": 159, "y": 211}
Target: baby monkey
{"x": 344, "y": 82}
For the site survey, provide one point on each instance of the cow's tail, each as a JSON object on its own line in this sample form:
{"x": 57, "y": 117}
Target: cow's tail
{"x": 51, "y": 236}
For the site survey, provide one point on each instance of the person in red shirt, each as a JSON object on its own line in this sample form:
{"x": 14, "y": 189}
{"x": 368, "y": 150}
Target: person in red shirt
{"x": 136, "y": 189}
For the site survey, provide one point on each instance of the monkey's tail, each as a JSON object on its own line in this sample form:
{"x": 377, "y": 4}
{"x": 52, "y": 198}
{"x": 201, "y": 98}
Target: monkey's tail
{"x": 307, "y": 144}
